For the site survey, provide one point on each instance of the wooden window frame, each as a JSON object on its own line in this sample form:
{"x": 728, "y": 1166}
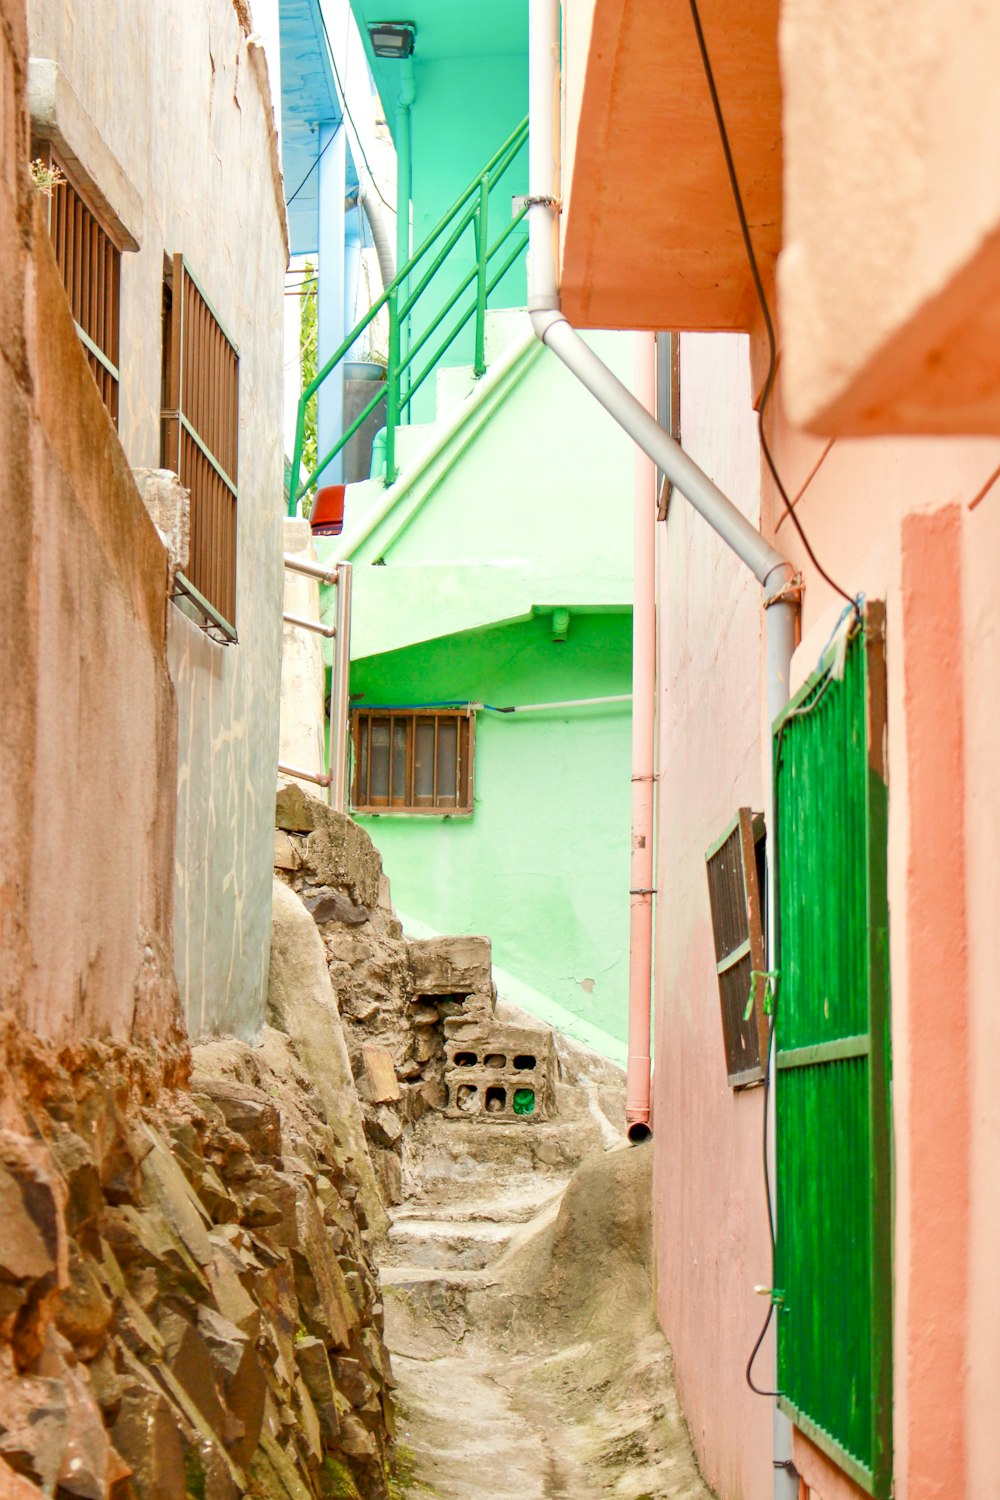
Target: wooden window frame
{"x": 200, "y": 421}
{"x": 745, "y": 1026}
{"x": 407, "y": 806}
{"x": 89, "y": 257}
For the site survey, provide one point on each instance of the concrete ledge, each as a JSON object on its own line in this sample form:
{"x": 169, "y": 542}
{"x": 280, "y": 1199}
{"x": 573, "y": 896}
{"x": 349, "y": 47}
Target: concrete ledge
{"x": 58, "y": 116}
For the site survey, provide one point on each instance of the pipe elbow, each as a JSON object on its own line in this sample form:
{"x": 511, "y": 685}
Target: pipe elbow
{"x": 408, "y": 85}
{"x": 544, "y": 319}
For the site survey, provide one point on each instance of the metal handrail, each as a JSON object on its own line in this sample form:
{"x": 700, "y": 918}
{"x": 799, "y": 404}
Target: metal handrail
{"x": 334, "y": 774}
{"x": 470, "y": 210}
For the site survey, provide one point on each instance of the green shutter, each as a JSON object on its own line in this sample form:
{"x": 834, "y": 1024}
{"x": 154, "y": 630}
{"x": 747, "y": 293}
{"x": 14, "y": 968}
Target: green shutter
{"x": 833, "y": 1262}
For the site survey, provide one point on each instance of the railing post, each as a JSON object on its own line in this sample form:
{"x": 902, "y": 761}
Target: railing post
{"x": 393, "y": 375}
{"x": 482, "y": 247}
{"x": 293, "y": 476}
{"x": 340, "y": 697}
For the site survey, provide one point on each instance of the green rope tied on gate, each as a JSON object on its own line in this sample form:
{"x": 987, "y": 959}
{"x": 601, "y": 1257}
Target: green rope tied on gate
{"x": 770, "y": 978}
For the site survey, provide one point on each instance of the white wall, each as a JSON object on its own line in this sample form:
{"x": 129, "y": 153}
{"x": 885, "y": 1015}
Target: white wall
{"x": 180, "y": 96}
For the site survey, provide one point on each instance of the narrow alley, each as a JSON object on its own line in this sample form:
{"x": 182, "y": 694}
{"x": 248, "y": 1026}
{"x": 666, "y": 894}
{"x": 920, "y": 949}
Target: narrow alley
{"x": 518, "y": 1286}
{"x": 498, "y": 816}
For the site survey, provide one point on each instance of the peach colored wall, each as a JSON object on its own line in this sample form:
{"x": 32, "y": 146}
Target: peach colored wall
{"x": 88, "y": 728}
{"x": 917, "y": 522}
{"x": 711, "y": 1226}
{"x": 890, "y": 272}
{"x": 981, "y": 626}
{"x": 578, "y": 22}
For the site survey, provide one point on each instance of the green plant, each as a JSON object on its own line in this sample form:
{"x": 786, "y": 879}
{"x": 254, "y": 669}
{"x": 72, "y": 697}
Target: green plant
{"x": 309, "y": 354}
{"x": 45, "y": 177}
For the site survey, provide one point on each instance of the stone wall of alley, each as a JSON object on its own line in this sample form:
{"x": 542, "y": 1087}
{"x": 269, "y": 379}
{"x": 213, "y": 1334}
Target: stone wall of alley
{"x": 189, "y": 1302}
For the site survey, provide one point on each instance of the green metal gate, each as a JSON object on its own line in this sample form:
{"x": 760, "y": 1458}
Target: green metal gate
{"x": 833, "y": 1256}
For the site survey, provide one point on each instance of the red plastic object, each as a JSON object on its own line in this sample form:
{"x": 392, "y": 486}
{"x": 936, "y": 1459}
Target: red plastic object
{"x": 327, "y": 518}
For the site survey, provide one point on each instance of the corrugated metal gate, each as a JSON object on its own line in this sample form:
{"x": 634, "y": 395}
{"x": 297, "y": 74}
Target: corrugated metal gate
{"x": 833, "y": 1261}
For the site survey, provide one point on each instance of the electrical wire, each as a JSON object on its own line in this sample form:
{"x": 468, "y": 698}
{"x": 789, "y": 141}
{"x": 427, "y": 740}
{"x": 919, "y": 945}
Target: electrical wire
{"x": 343, "y": 99}
{"x": 347, "y": 110}
{"x": 810, "y": 706}
{"x": 772, "y": 358}
{"x": 319, "y": 158}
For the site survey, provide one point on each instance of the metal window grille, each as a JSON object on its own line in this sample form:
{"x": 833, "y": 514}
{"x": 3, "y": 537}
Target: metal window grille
{"x": 413, "y": 761}
{"x": 200, "y": 440}
{"x": 834, "y": 1253}
{"x": 89, "y": 262}
{"x": 735, "y": 866}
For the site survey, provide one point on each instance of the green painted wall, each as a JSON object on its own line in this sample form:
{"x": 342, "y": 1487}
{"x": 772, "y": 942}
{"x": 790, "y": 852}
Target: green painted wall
{"x": 528, "y": 508}
{"x": 542, "y": 866}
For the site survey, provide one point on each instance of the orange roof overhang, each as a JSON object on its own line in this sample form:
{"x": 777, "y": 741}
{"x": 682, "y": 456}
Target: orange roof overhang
{"x": 650, "y": 234}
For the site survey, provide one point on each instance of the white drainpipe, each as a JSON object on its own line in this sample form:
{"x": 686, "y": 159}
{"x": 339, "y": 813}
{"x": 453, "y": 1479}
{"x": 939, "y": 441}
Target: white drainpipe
{"x": 774, "y": 572}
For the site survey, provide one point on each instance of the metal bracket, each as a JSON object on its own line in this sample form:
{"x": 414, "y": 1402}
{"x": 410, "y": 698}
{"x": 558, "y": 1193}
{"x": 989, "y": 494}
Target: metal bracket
{"x": 542, "y": 201}
{"x": 643, "y": 890}
{"x": 791, "y": 591}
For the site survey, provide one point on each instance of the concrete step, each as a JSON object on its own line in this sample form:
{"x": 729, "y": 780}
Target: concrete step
{"x": 456, "y": 1149}
{"x": 521, "y": 1198}
{"x": 438, "y": 1244}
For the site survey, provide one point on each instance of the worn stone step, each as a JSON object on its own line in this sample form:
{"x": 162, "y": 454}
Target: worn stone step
{"x": 522, "y": 1197}
{"x": 430, "y": 1295}
{"x": 457, "y": 1149}
{"x": 436, "y": 1243}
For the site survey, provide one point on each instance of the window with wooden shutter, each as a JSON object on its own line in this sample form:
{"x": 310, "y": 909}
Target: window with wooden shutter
{"x": 735, "y": 866}
{"x": 200, "y": 442}
{"x": 833, "y": 1263}
{"x": 413, "y": 761}
{"x": 89, "y": 262}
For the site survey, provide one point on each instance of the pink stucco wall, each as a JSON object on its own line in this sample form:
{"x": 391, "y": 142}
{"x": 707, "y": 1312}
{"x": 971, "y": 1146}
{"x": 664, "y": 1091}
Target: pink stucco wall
{"x": 711, "y": 1226}
{"x": 916, "y": 523}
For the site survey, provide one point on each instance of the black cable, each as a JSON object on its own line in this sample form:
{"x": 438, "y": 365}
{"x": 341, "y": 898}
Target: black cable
{"x": 347, "y": 112}
{"x": 772, "y": 361}
{"x": 290, "y": 201}
{"x": 808, "y": 707}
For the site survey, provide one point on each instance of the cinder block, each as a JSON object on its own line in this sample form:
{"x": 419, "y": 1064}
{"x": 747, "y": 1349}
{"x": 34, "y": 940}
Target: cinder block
{"x": 499, "y": 1074}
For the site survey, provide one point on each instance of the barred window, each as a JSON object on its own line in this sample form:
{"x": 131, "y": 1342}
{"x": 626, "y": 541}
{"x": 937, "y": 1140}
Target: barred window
{"x": 89, "y": 262}
{"x": 736, "y": 883}
{"x": 200, "y": 442}
{"x": 413, "y": 760}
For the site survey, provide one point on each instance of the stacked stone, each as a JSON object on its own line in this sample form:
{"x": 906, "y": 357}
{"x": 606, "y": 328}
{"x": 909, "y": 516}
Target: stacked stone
{"x": 336, "y": 870}
{"x": 187, "y": 1301}
{"x": 396, "y": 998}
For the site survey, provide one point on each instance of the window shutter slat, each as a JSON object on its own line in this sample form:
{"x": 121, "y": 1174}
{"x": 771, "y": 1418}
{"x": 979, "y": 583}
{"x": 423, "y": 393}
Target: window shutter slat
{"x": 736, "y": 904}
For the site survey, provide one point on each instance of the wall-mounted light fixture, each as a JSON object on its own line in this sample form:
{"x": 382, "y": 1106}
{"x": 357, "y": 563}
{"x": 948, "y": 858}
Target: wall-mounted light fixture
{"x": 392, "y": 38}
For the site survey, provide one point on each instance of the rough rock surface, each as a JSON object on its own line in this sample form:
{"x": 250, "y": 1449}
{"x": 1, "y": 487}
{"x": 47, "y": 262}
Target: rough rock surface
{"x": 405, "y": 1005}
{"x": 188, "y": 1304}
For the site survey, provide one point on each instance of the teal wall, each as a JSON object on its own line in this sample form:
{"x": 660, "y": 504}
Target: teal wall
{"x": 470, "y": 67}
{"x": 465, "y": 109}
{"x": 542, "y": 866}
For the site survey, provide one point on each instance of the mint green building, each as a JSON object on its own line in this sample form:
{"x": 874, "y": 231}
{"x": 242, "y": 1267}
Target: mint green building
{"x": 491, "y": 636}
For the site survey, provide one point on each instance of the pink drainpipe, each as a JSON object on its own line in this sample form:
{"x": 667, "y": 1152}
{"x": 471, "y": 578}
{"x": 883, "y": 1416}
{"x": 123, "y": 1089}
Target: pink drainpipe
{"x": 640, "y": 963}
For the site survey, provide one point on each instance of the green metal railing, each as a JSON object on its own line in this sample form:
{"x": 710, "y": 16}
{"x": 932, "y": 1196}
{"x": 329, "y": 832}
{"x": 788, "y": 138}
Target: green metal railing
{"x": 470, "y": 298}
